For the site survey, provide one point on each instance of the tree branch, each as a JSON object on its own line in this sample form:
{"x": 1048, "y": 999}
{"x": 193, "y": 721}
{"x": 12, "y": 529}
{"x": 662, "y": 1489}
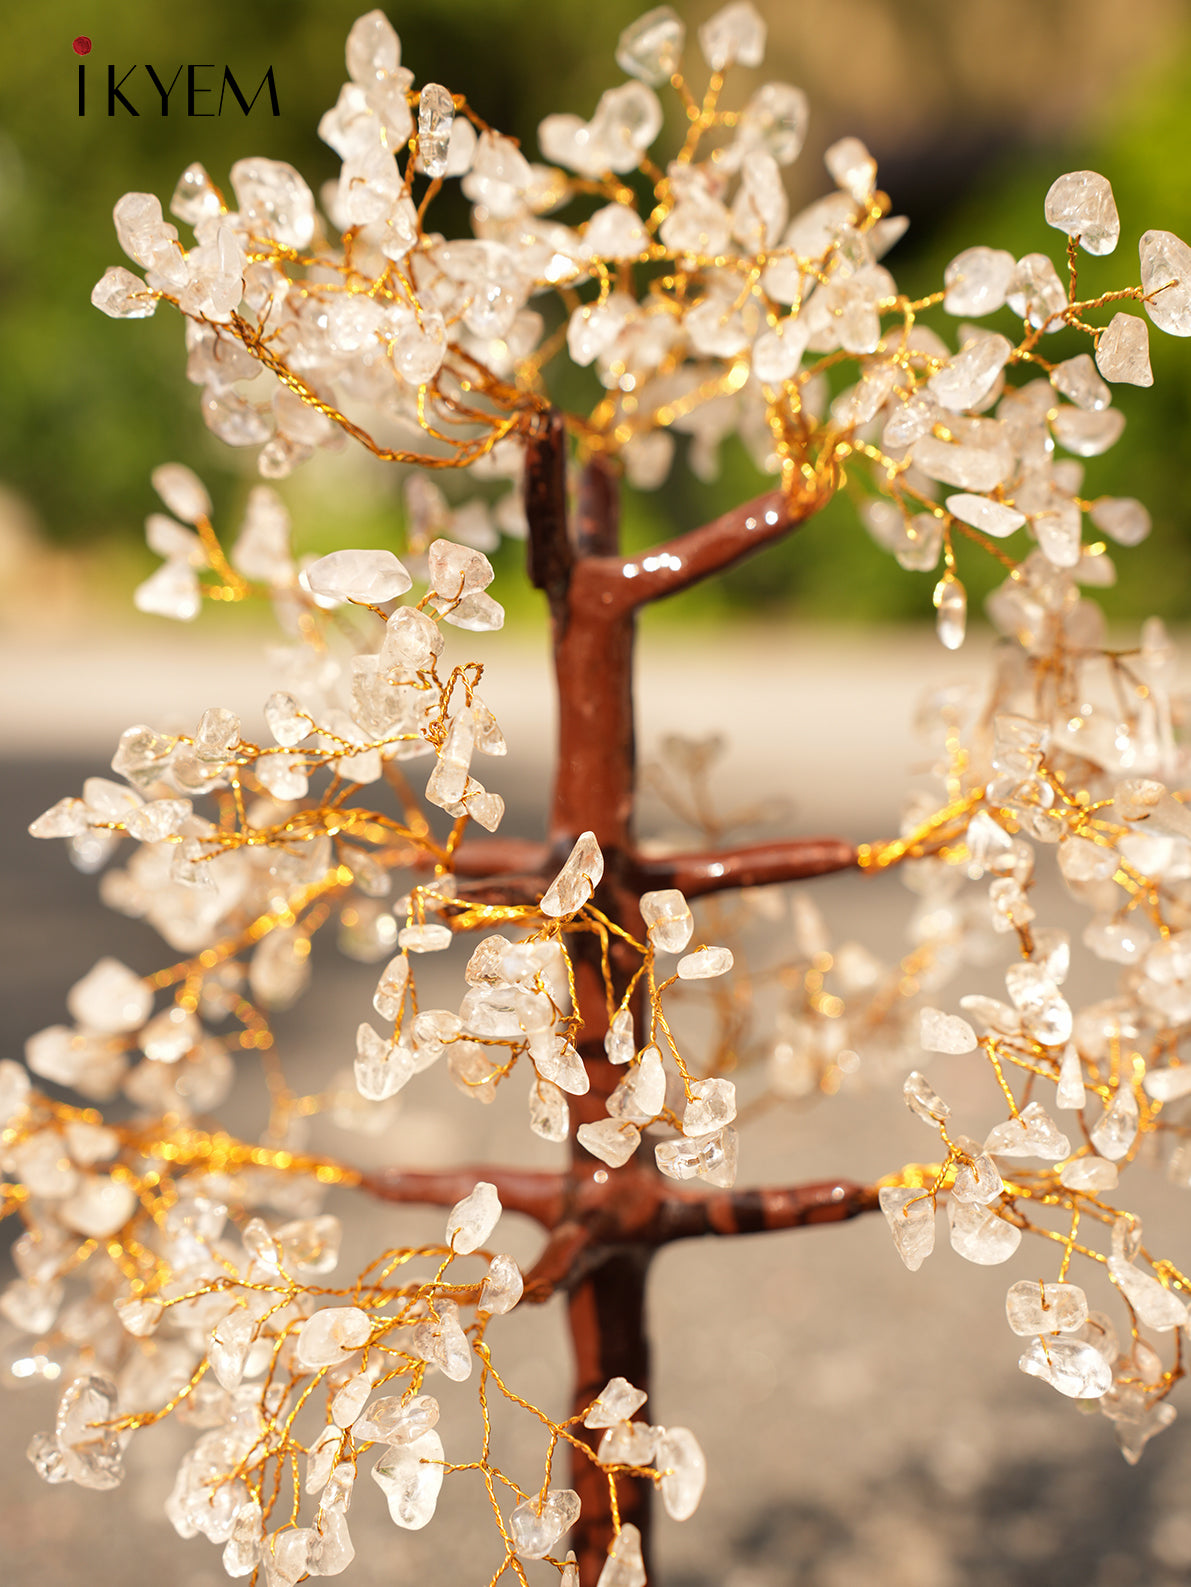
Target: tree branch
{"x": 684, "y": 1215}
{"x": 536, "y": 1195}
{"x": 551, "y": 555}
{"x": 676, "y": 564}
{"x": 755, "y": 865}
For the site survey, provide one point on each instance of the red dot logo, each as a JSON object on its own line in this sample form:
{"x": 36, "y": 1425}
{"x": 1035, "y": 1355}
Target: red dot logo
{"x": 82, "y": 45}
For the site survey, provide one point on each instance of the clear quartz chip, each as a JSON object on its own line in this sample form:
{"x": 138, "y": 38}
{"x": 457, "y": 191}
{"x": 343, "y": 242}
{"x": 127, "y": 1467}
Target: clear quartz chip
{"x": 472, "y": 1220}
{"x": 977, "y": 1182}
{"x": 537, "y": 1524}
{"x": 970, "y": 375}
{"x": 91, "y": 1450}
{"x": 1156, "y": 1306}
{"x": 1070, "y": 1093}
{"x": 910, "y": 1214}
{"x": 502, "y": 1287}
{"x": 991, "y": 517}
{"x": 668, "y": 918}
{"x": 651, "y": 47}
{"x": 1071, "y": 1366}
{"x": 979, "y": 1236}
{"x": 951, "y": 609}
{"x": 411, "y": 1477}
{"x": 577, "y": 880}
{"x": 712, "y": 1158}
{"x": 1123, "y": 351}
{"x": 182, "y": 491}
{"x": 734, "y": 36}
{"x": 332, "y": 1335}
{"x": 1168, "y": 1085}
{"x": 610, "y": 1140}
{"x": 679, "y": 1458}
{"x": 436, "y": 116}
{"x": 641, "y": 1095}
{"x": 625, "y": 1566}
{"x": 1033, "y": 1307}
{"x": 1115, "y": 1132}
{"x": 396, "y": 1420}
{"x": 923, "y": 1100}
{"x": 370, "y": 576}
{"x": 976, "y": 281}
{"x": 619, "y": 1041}
{"x": 939, "y": 1032}
{"x": 712, "y": 1105}
{"x": 1081, "y": 204}
{"x": 704, "y": 964}
{"x": 1089, "y": 1173}
{"x": 549, "y": 1115}
{"x": 1033, "y": 1133}
{"x": 616, "y": 1402}
{"x": 852, "y": 168}
{"x": 110, "y": 999}
{"x": 1166, "y": 278}
{"x": 429, "y": 938}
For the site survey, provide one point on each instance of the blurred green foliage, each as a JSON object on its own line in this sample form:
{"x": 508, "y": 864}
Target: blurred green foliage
{"x": 88, "y": 406}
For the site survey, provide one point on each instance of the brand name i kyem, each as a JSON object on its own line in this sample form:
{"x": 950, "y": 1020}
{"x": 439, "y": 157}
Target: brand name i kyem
{"x": 194, "y": 89}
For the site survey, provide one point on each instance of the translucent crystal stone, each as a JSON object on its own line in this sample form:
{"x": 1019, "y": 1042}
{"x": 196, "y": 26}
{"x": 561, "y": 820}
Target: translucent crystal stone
{"x": 351, "y": 1399}
{"x": 280, "y": 969}
{"x": 619, "y": 1040}
{"x": 668, "y": 918}
{"x": 1166, "y": 277}
{"x": 425, "y": 938}
{"x": 684, "y": 1471}
{"x": 951, "y": 607}
{"x": 775, "y": 120}
{"x": 242, "y": 1551}
{"x": 90, "y": 1450}
{"x": 442, "y": 1341}
{"x": 1033, "y": 1307}
{"x": 411, "y": 639}
{"x": 217, "y": 734}
{"x": 448, "y": 781}
{"x": 712, "y": 1158}
{"x": 910, "y": 1214}
{"x": 1137, "y": 1418}
{"x": 1077, "y": 379}
{"x": 66, "y": 819}
{"x": 979, "y": 1236}
{"x": 47, "y": 1459}
{"x": 549, "y": 1115}
{"x": 1089, "y": 1173}
{"x": 371, "y": 576}
{"x": 1116, "y": 1130}
{"x": 1032, "y": 1134}
{"x": 1035, "y": 291}
{"x": 332, "y": 1550}
{"x": 1123, "y": 351}
{"x": 158, "y": 819}
{"x": 1087, "y": 434}
{"x": 382, "y": 1067}
{"x": 110, "y": 999}
{"x": 395, "y": 1420}
{"x": 1081, "y": 204}
{"x": 939, "y": 1032}
{"x": 991, "y": 517}
{"x": 273, "y": 198}
{"x": 624, "y": 1566}
{"x": 921, "y": 1099}
{"x": 537, "y": 1524}
{"x": 373, "y": 49}
{"x": 712, "y": 1105}
{"x": 970, "y": 375}
{"x": 704, "y": 964}
{"x": 976, "y": 281}
{"x": 436, "y": 116}
{"x": 977, "y": 1182}
{"x": 182, "y": 491}
{"x": 332, "y": 1335}
{"x": 1074, "y": 1368}
{"x": 734, "y": 36}
{"x": 31, "y": 1307}
{"x": 14, "y": 1091}
{"x": 557, "y": 1061}
{"x": 227, "y": 1350}
{"x": 1045, "y": 1014}
{"x": 616, "y": 1402}
{"x": 98, "y": 1207}
{"x": 472, "y": 1220}
{"x": 577, "y": 880}
{"x": 1164, "y": 1085}
{"x": 123, "y": 296}
{"x": 610, "y": 1140}
{"x": 651, "y": 47}
{"x": 502, "y": 1287}
{"x": 1156, "y": 1306}
{"x": 627, "y": 1444}
{"x": 1070, "y": 1092}
{"x": 852, "y": 168}
{"x": 641, "y": 1095}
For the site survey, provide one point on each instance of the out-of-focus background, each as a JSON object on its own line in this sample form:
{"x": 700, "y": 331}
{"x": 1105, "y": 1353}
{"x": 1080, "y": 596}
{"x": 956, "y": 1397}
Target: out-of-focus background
{"x": 862, "y": 1424}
